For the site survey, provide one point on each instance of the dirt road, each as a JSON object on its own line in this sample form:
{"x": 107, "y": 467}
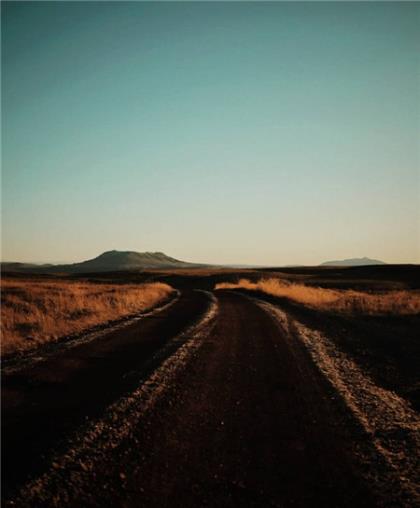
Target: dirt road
{"x": 44, "y": 402}
{"x": 233, "y": 413}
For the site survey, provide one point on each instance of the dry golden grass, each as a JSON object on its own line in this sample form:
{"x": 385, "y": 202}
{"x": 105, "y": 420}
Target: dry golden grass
{"x": 37, "y": 311}
{"x": 349, "y": 301}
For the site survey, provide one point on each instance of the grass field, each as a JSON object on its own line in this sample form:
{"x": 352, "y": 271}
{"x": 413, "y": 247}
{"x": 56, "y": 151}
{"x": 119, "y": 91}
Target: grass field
{"x": 35, "y": 311}
{"x": 394, "y": 302}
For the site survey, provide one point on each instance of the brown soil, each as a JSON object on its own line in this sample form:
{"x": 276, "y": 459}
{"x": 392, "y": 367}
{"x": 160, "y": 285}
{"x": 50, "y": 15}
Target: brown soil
{"x": 251, "y": 423}
{"x": 42, "y": 403}
{"x": 248, "y": 422}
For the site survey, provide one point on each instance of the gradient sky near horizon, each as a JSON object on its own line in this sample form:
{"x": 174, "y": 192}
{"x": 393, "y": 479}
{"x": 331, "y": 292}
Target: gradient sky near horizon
{"x": 266, "y": 133}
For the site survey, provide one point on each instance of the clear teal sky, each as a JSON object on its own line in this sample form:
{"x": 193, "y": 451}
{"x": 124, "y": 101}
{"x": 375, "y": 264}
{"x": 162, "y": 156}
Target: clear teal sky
{"x": 268, "y": 133}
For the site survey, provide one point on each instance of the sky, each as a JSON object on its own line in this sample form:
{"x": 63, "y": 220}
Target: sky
{"x": 255, "y": 133}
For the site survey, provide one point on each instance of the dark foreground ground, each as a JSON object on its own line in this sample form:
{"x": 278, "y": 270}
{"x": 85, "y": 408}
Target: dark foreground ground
{"x": 212, "y": 402}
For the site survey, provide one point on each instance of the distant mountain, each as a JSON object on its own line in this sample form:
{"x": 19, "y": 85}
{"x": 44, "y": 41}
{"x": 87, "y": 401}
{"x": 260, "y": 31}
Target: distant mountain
{"x": 111, "y": 261}
{"x": 354, "y": 262}
{"x": 115, "y": 260}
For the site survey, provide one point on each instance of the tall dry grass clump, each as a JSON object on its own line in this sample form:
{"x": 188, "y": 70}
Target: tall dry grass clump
{"x": 37, "y": 311}
{"x": 350, "y": 301}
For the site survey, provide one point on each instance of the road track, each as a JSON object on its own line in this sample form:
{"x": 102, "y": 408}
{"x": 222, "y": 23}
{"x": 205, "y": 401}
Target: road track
{"x": 43, "y": 403}
{"x": 241, "y": 416}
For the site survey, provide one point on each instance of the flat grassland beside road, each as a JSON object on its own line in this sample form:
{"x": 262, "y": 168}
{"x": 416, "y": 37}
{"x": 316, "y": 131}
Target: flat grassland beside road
{"x": 393, "y": 302}
{"x": 377, "y": 329}
{"x": 35, "y": 311}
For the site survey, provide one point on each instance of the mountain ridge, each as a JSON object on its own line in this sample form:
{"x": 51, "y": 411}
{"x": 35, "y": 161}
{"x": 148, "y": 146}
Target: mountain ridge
{"x": 109, "y": 261}
{"x": 353, "y": 262}
{"x": 116, "y": 260}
